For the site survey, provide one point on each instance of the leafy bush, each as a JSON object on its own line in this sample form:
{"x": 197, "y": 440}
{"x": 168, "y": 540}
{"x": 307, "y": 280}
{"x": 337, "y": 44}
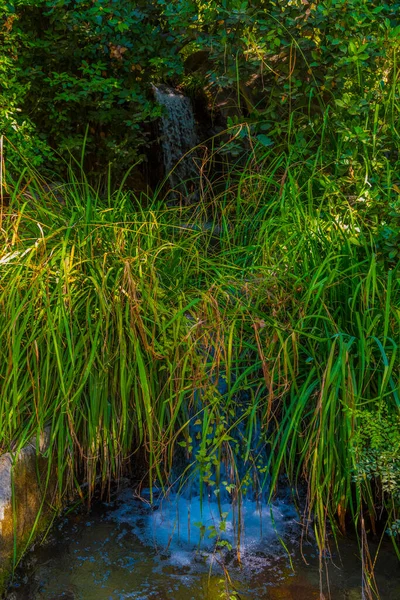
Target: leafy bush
{"x": 69, "y": 66}
{"x": 379, "y": 443}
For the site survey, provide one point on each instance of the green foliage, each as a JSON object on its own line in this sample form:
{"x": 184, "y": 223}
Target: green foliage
{"x": 87, "y": 65}
{"x": 70, "y": 65}
{"x": 378, "y": 441}
{"x": 16, "y": 125}
{"x": 114, "y": 316}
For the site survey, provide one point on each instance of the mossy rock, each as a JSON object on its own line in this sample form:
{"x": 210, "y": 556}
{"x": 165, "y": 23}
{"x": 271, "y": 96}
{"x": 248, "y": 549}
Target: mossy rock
{"x": 28, "y": 500}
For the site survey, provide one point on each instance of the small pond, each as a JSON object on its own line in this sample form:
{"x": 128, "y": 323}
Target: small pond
{"x": 129, "y": 550}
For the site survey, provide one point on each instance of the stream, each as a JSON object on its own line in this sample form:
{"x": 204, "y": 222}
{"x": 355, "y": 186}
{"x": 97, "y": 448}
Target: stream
{"x": 180, "y": 549}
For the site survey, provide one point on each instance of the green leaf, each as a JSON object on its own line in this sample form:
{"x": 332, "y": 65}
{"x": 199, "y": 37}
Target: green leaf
{"x": 265, "y": 140}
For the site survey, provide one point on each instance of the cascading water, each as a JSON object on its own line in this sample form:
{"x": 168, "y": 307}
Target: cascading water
{"x": 178, "y": 138}
{"x": 220, "y": 499}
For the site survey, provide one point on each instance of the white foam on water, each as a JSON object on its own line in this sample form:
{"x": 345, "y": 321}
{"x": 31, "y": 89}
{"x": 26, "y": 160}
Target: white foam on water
{"x": 187, "y": 529}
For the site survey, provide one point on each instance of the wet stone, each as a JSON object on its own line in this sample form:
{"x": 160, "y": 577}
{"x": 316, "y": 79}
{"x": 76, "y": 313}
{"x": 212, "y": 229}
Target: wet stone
{"x": 25, "y": 474}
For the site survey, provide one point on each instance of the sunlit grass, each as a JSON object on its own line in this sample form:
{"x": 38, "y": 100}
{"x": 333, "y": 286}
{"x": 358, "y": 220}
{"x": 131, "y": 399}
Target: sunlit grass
{"x": 114, "y": 316}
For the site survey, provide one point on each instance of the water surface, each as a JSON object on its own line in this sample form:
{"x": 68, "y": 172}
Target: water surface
{"x": 129, "y": 550}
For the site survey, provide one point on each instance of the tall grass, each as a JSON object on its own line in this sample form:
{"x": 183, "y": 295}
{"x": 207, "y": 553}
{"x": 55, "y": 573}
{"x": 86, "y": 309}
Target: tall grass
{"x": 113, "y": 317}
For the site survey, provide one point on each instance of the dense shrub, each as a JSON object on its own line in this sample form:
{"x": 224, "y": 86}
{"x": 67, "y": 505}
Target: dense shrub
{"x": 73, "y": 68}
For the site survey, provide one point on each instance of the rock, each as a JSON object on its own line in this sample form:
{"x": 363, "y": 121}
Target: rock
{"x": 198, "y": 60}
{"x": 23, "y": 496}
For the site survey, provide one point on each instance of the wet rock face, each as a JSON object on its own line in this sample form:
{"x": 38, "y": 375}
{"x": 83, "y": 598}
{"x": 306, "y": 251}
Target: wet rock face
{"x": 5, "y": 488}
{"x": 26, "y": 491}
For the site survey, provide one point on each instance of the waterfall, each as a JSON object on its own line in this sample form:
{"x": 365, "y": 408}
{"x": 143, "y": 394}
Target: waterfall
{"x": 178, "y": 138}
{"x": 217, "y": 499}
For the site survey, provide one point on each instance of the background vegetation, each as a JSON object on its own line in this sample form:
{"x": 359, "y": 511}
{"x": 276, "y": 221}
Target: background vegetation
{"x": 67, "y": 66}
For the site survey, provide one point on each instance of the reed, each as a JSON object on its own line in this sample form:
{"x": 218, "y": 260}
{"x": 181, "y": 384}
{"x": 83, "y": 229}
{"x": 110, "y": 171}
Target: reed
{"x": 115, "y": 312}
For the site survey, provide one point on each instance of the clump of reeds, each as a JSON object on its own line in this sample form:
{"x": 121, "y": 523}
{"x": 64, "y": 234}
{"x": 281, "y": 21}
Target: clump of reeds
{"x": 115, "y": 313}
